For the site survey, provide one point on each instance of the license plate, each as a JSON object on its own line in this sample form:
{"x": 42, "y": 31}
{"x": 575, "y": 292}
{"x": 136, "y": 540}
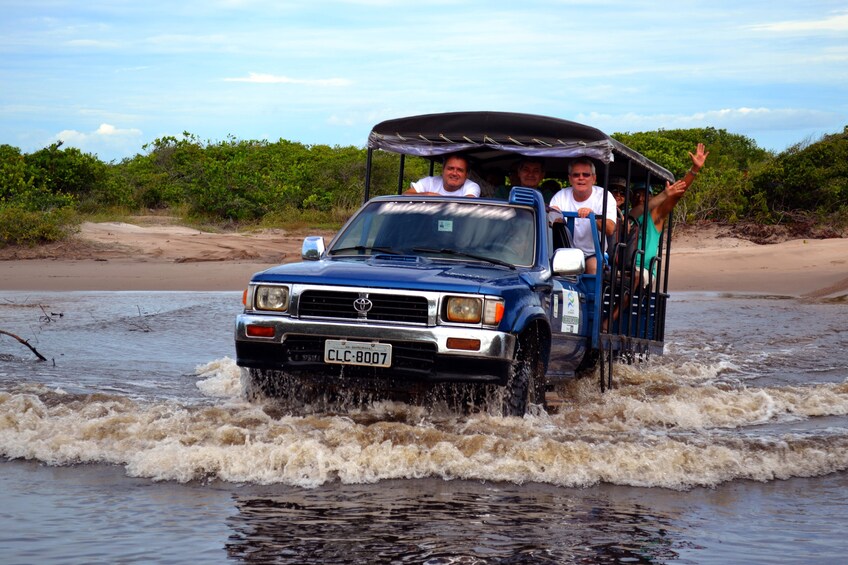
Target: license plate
{"x": 368, "y": 354}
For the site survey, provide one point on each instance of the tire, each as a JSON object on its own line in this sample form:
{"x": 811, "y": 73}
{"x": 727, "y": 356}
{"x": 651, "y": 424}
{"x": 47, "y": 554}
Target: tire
{"x": 260, "y": 384}
{"x": 526, "y": 384}
{"x": 270, "y": 384}
{"x": 589, "y": 363}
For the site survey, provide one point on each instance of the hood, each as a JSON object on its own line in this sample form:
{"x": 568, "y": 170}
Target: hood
{"x": 399, "y": 272}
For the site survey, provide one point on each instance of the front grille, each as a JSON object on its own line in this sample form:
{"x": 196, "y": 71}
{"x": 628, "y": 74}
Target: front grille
{"x": 385, "y": 307}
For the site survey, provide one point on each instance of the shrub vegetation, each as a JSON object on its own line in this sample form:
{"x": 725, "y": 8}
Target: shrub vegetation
{"x": 44, "y": 194}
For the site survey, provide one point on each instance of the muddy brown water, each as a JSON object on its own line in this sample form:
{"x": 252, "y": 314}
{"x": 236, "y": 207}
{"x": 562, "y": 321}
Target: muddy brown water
{"x": 132, "y": 443}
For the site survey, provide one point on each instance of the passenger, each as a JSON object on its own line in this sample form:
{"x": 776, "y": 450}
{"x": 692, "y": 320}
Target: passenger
{"x": 659, "y": 208}
{"x": 452, "y": 182}
{"x": 584, "y": 198}
{"x": 529, "y": 172}
{"x": 502, "y": 189}
{"x": 637, "y": 196}
{"x": 618, "y": 188}
{"x": 548, "y": 189}
{"x": 490, "y": 183}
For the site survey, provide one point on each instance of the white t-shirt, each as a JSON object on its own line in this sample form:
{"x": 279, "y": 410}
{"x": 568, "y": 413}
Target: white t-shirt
{"x": 564, "y": 200}
{"x": 436, "y": 184}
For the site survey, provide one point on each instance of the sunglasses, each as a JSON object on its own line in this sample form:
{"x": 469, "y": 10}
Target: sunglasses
{"x": 584, "y": 175}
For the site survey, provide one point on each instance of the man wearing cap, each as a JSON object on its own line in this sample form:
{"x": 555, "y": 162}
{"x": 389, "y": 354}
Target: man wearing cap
{"x": 618, "y": 188}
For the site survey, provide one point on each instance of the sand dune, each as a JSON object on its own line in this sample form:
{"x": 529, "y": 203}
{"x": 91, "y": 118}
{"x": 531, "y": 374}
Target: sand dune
{"x": 125, "y": 256}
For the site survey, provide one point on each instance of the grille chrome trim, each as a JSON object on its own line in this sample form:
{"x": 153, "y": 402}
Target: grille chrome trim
{"x": 316, "y": 303}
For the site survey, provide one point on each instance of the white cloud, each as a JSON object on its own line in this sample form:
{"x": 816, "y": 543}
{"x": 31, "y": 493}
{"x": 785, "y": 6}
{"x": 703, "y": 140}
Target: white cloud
{"x": 329, "y": 70}
{"x": 340, "y": 121}
{"x": 132, "y": 69}
{"x": 262, "y": 78}
{"x": 185, "y": 43}
{"x": 835, "y": 22}
{"x": 106, "y": 141}
{"x": 95, "y": 43}
{"x": 105, "y": 130}
{"x": 109, "y": 129}
{"x": 743, "y": 119}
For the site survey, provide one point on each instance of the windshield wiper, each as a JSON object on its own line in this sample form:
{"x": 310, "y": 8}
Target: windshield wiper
{"x": 365, "y": 248}
{"x": 447, "y": 251}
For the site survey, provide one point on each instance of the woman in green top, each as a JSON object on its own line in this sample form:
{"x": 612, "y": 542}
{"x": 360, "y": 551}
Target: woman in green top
{"x": 659, "y": 208}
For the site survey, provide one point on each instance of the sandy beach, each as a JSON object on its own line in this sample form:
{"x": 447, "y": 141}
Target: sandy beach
{"x": 127, "y": 256}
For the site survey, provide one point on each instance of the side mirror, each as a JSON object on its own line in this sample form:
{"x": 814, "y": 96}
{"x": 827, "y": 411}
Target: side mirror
{"x": 313, "y": 248}
{"x": 568, "y": 262}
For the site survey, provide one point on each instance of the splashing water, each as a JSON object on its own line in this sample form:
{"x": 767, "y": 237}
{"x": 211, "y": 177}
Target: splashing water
{"x": 707, "y": 412}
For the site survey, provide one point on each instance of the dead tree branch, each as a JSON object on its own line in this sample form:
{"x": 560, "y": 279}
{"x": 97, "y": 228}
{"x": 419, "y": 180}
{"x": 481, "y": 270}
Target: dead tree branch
{"x": 25, "y": 342}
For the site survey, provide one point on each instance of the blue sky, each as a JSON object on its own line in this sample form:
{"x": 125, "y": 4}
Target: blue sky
{"x": 109, "y": 76}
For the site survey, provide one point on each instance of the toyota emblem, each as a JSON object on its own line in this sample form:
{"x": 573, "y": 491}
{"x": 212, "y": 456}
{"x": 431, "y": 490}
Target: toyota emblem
{"x": 362, "y": 305}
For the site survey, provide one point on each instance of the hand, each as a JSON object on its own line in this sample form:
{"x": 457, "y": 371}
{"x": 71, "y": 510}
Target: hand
{"x": 677, "y": 189}
{"x": 699, "y": 158}
{"x": 584, "y": 212}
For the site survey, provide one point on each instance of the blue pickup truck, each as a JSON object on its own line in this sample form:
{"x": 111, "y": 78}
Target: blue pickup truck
{"x": 487, "y": 295}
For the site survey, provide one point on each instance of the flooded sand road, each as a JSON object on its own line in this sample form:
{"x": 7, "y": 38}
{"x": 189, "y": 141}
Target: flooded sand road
{"x": 133, "y": 444}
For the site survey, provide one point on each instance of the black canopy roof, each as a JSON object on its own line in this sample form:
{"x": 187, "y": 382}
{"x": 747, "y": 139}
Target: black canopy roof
{"x": 495, "y": 140}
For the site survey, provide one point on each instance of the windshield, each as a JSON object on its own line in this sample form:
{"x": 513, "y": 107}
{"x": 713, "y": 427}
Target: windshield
{"x": 451, "y": 230}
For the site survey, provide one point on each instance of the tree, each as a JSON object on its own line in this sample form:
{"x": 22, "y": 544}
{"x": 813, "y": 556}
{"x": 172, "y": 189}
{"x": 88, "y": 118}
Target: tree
{"x": 810, "y": 177}
{"x": 65, "y": 171}
{"x": 721, "y": 191}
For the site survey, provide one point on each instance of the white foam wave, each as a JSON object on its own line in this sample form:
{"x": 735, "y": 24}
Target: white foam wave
{"x": 654, "y": 402}
{"x": 666, "y": 435}
{"x": 220, "y": 378}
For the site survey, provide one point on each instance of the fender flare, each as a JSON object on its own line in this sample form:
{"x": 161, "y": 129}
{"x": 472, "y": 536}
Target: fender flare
{"x": 534, "y": 318}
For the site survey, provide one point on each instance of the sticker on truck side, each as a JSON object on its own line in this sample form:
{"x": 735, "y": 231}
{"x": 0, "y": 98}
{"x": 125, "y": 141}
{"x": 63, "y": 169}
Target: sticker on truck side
{"x": 570, "y": 312}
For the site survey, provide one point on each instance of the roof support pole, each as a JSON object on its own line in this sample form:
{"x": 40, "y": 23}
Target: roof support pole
{"x": 400, "y": 174}
{"x": 367, "y": 192}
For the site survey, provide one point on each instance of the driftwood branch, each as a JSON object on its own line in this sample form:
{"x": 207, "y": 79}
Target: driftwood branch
{"x": 25, "y": 342}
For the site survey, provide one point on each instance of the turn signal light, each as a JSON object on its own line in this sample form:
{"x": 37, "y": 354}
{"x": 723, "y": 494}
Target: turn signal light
{"x": 494, "y": 311}
{"x": 463, "y": 343}
{"x": 259, "y": 331}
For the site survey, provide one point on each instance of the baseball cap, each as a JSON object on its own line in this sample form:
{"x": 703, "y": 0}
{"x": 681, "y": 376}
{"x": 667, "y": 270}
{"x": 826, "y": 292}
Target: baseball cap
{"x": 617, "y": 184}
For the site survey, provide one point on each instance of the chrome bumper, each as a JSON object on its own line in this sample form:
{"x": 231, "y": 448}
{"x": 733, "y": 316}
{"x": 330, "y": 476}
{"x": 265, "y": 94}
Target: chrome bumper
{"x": 493, "y": 344}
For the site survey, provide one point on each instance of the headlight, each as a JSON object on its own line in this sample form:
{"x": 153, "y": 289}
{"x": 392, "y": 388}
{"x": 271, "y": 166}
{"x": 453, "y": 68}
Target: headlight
{"x": 465, "y": 310}
{"x": 274, "y": 298}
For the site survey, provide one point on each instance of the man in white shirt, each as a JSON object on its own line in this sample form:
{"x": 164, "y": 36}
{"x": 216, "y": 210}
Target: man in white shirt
{"x": 452, "y": 182}
{"x": 584, "y": 197}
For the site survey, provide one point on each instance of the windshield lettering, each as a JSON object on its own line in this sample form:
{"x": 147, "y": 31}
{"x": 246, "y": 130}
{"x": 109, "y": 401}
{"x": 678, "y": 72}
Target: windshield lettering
{"x": 448, "y": 209}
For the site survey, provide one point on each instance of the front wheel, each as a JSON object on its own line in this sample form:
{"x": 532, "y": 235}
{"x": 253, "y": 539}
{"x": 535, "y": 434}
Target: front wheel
{"x": 526, "y": 384}
{"x": 272, "y": 384}
{"x": 258, "y": 384}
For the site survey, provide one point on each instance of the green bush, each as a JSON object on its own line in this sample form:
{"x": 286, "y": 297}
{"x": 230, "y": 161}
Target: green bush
{"x": 65, "y": 171}
{"x": 721, "y": 191}
{"x": 806, "y": 177}
{"x": 20, "y": 226}
{"x": 30, "y": 211}
{"x": 288, "y": 183}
